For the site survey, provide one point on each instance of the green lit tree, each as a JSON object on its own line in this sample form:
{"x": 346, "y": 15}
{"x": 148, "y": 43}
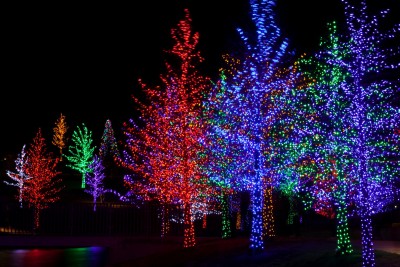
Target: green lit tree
{"x": 81, "y": 152}
{"x": 332, "y": 134}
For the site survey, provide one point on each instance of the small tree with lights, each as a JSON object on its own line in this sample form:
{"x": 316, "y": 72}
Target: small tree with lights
{"x": 59, "y": 138}
{"x": 19, "y": 177}
{"x": 94, "y": 181}
{"x": 81, "y": 152}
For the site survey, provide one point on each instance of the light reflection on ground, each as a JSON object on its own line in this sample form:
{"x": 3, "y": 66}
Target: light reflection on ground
{"x": 51, "y": 257}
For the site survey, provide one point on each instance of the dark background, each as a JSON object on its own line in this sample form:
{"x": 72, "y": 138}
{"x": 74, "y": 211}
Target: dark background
{"x": 84, "y": 59}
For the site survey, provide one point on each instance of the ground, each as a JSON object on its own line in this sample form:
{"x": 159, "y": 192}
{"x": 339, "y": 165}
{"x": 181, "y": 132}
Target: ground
{"x": 126, "y": 251}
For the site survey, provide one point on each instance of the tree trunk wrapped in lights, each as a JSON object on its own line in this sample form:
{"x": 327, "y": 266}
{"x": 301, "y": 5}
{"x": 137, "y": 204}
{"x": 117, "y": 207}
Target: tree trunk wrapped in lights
{"x": 260, "y": 92}
{"x": 355, "y": 85}
{"x": 80, "y": 154}
{"x": 19, "y": 177}
{"x": 164, "y": 152}
{"x": 372, "y": 114}
{"x": 59, "y": 138}
{"x": 44, "y": 184}
{"x": 331, "y": 134}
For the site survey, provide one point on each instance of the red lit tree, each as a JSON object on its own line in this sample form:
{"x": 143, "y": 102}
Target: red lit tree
{"x": 165, "y": 153}
{"x": 44, "y": 184}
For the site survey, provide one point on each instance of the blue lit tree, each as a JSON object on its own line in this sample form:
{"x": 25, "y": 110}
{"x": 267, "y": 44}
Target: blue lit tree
{"x": 224, "y": 155}
{"x": 374, "y": 117}
{"x": 260, "y": 91}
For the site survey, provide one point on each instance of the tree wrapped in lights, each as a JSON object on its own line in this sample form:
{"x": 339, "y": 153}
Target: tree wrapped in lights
{"x": 223, "y": 160}
{"x": 44, "y": 184}
{"x": 372, "y": 115}
{"x": 81, "y": 151}
{"x": 94, "y": 181}
{"x": 108, "y": 144}
{"x": 19, "y": 177}
{"x": 108, "y": 151}
{"x": 164, "y": 153}
{"x": 262, "y": 90}
{"x": 332, "y": 135}
{"x": 59, "y": 138}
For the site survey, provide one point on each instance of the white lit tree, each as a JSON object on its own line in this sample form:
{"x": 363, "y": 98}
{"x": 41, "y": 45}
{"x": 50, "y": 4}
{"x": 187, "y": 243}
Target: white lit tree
{"x": 19, "y": 177}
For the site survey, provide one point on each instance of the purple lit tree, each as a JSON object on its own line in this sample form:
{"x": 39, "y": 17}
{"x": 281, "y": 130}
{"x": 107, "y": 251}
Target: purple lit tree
{"x": 94, "y": 181}
{"x": 373, "y": 115}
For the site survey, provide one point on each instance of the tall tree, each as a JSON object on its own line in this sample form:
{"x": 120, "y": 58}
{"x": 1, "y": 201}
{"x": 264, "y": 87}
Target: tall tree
{"x": 59, "y": 138}
{"x": 19, "y": 177}
{"x": 261, "y": 90}
{"x": 81, "y": 151}
{"x": 223, "y": 157}
{"x": 373, "y": 115}
{"x": 44, "y": 184}
{"x": 332, "y": 133}
{"x": 164, "y": 154}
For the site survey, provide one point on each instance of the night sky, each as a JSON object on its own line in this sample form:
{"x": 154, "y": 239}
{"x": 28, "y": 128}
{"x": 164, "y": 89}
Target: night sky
{"x": 83, "y": 60}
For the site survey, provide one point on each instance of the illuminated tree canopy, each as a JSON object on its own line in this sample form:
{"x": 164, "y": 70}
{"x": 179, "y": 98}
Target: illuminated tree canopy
{"x": 81, "y": 151}
{"x": 59, "y": 138}
{"x": 19, "y": 177}
{"x": 165, "y": 153}
{"x": 261, "y": 93}
{"x": 44, "y": 184}
{"x": 372, "y": 115}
